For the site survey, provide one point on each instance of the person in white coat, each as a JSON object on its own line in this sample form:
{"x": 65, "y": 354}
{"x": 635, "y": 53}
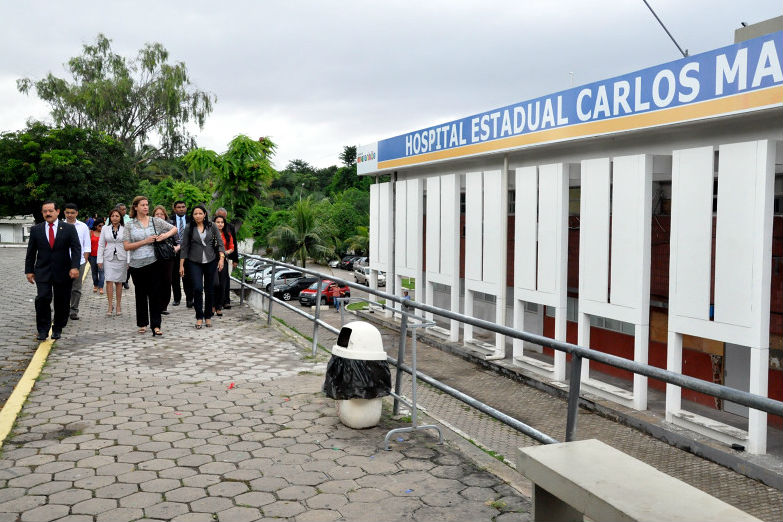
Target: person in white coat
{"x": 113, "y": 259}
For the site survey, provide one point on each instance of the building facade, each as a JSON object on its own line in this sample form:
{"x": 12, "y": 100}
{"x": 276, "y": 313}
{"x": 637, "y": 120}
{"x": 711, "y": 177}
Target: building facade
{"x": 639, "y": 215}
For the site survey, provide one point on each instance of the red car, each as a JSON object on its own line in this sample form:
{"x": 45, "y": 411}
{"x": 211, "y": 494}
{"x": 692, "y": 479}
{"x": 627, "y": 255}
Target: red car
{"x": 329, "y": 290}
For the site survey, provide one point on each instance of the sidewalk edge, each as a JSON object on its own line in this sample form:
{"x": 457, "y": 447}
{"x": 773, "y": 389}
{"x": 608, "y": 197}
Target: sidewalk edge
{"x": 13, "y": 406}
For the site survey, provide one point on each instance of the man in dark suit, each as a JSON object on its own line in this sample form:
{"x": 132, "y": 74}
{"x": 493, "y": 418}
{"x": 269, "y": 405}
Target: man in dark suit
{"x": 179, "y": 219}
{"x": 233, "y": 256}
{"x": 52, "y": 262}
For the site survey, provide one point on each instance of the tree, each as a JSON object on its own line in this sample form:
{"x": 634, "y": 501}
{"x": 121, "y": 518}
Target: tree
{"x": 350, "y": 209}
{"x": 70, "y": 164}
{"x": 170, "y": 190}
{"x": 242, "y": 174}
{"x": 348, "y": 155}
{"x": 129, "y": 99}
{"x": 305, "y": 235}
{"x": 361, "y": 241}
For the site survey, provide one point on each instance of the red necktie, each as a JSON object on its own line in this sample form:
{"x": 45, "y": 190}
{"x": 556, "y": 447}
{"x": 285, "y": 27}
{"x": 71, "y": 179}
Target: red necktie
{"x": 51, "y": 235}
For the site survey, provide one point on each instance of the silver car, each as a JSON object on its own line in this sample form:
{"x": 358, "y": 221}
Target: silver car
{"x": 362, "y": 275}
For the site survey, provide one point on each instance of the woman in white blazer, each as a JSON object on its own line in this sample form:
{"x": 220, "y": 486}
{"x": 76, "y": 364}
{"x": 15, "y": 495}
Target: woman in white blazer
{"x": 113, "y": 258}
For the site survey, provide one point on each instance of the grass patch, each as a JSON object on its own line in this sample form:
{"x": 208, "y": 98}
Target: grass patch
{"x": 493, "y": 454}
{"x": 497, "y": 504}
{"x": 300, "y": 334}
{"x": 409, "y": 282}
{"x": 363, "y": 305}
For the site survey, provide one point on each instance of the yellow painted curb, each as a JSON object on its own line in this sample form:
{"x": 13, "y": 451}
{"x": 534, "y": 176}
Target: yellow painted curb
{"x": 22, "y": 389}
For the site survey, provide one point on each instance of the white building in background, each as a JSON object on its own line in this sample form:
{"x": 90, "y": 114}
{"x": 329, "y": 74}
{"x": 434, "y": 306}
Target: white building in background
{"x": 15, "y": 229}
{"x": 634, "y": 215}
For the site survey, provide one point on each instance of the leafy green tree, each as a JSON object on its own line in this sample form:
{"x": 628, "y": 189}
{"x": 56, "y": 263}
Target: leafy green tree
{"x": 305, "y": 235}
{"x": 242, "y": 174}
{"x": 261, "y": 220}
{"x": 129, "y": 99}
{"x": 66, "y": 164}
{"x": 360, "y": 242}
{"x": 350, "y": 209}
{"x": 348, "y": 155}
{"x": 170, "y": 190}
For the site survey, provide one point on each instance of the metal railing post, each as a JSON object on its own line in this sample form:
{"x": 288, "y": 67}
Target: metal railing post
{"x": 317, "y": 315}
{"x": 574, "y": 384}
{"x": 269, "y": 296}
{"x": 400, "y": 360}
{"x": 242, "y": 284}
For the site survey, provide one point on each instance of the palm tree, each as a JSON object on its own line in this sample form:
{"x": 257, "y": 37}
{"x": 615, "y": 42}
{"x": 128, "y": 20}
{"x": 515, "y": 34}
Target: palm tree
{"x": 305, "y": 234}
{"x": 361, "y": 241}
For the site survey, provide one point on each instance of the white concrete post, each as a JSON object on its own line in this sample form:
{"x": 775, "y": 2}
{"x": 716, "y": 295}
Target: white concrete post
{"x": 673, "y": 364}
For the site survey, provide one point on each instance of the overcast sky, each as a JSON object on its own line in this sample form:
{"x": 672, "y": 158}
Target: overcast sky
{"x": 317, "y": 75}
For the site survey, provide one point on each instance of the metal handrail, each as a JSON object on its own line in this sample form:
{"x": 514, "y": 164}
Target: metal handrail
{"x": 577, "y": 352}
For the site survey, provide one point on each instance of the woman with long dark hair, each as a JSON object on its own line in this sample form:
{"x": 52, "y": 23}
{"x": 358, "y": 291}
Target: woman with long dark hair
{"x": 203, "y": 250}
{"x": 222, "y": 281}
{"x": 97, "y": 271}
{"x": 140, "y": 233}
{"x": 113, "y": 259}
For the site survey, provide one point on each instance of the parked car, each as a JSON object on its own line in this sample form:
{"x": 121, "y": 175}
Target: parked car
{"x": 290, "y": 289}
{"x": 329, "y": 290}
{"x": 347, "y": 262}
{"x": 361, "y": 261}
{"x": 362, "y": 275}
{"x": 253, "y": 267}
{"x": 281, "y": 276}
{"x": 260, "y": 274}
{"x": 334, "y": 263}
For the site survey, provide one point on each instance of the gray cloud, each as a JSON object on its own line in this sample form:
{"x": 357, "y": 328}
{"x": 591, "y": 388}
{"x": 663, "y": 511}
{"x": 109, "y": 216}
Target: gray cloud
{"x": 319, "y": 75}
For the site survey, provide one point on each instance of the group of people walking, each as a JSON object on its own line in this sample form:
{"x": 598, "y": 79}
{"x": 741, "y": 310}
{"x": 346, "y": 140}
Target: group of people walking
{"x": 155, "y": 251}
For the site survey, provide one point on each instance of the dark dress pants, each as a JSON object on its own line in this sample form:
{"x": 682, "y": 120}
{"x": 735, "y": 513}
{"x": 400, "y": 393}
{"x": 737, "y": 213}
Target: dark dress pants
{"x": 61, "y": 292}
{"x": 203, "y": 277}
{"x": 222, "y": 287}
{"x": 186, "y": 282}
{"x": 165, "y": 290}
{"x": 148, "y": 282}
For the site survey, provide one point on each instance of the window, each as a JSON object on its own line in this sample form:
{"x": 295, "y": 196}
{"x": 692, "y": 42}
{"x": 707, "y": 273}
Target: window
{"x": 574, "y": 196}
{"x": 512, "y": 201}
{"x": 779, "y": 194}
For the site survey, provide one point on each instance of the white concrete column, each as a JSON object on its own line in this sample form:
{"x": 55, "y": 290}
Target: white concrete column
{"x": 673, "y": 364}
{"x": 373, "y": 285}
{"x": 640, "y": 349}
{"x": 468, "y": 328}
{"x": 519, "y": 324}
{"x": 430, "y": 300}
{"x": 757, "y": 420}
{"x": 454, "y": 324}
{"x": 560, "y": 335}
{"x": 583, "y": 339}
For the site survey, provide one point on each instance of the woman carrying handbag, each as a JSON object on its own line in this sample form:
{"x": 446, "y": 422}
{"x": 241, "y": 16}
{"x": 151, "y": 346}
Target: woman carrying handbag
{"x": 143, "y": 237}
{"x": 202, "y": 248}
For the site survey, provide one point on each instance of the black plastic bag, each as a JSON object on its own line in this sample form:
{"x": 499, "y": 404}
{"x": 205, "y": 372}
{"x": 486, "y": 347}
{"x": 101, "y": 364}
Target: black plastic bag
{"x": 356, "y": 379}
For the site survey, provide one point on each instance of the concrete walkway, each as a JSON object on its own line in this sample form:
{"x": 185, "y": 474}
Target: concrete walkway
{"x": 548, "y": 414}
{"x": 225, "y": 423}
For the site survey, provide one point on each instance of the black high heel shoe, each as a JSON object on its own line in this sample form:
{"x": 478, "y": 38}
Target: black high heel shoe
{"x": 156, "y": 331}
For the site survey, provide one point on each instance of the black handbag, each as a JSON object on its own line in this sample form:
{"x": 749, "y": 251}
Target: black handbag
{"x": 164, "y": 250}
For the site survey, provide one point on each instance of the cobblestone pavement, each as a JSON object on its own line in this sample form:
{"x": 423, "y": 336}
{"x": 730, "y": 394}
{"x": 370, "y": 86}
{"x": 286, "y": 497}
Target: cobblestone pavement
{"x": 17, "y": 320}
{"x": 548, "y": 414}
{"x": 226, "y": 423}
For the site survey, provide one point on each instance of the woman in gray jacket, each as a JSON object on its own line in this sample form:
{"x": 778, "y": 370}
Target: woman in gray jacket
{"x": 203, "y": 250}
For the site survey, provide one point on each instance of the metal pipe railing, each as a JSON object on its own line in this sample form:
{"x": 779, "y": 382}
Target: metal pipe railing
{"x": 757, "y": 402}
